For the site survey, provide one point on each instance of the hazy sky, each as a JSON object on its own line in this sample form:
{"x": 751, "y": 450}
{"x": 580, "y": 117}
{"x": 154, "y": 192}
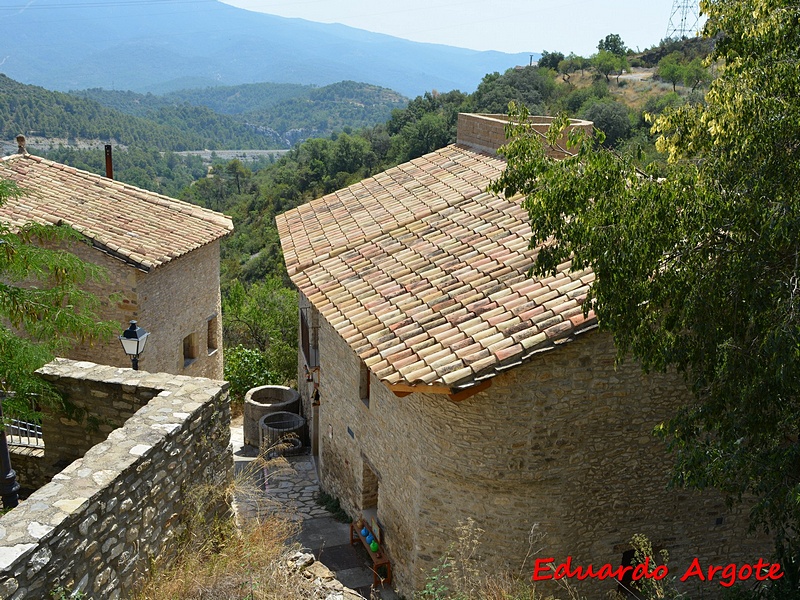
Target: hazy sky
{"x": 506, "y": 25}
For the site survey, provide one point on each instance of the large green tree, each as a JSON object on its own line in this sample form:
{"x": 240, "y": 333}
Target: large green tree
{"x": 698, "y": 269}
{"x": 43, "y": 310}
{"x": 612, "y": 43}
{"x": 671, "y": 69}
{"x": 263, "y": 319}
{"x": 606, "y": 63}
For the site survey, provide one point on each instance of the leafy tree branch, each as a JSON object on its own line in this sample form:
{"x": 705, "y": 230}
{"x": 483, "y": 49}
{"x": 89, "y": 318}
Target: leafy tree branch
{"x": 697, "y": 265}
{"x": 43, "y": 308}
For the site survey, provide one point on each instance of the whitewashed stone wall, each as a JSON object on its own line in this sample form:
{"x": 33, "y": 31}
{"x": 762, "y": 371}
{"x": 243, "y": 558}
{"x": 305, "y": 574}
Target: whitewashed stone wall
{"x": 564, "y": 441}
{"x": 98, "y": 524}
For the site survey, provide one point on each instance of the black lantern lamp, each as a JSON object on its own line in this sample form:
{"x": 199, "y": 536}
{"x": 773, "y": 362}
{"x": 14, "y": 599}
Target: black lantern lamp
{"x": 133, "y": 340}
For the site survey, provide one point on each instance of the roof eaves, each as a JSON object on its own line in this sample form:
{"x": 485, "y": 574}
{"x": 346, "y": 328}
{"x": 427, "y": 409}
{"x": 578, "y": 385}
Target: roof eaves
{"x": 492, "y": 372}
{"x": 146, "y": 268}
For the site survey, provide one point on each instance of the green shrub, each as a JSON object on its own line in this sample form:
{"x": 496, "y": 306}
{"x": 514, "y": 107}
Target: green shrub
{"x": 246, "y": 368}
{"x": 331, "y": 504}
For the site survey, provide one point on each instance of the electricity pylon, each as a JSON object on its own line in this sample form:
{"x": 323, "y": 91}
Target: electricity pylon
{"x": 684, "y": 19}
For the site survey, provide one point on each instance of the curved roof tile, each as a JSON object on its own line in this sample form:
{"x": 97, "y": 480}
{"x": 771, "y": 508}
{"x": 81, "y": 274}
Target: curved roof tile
{"x": 423, "y": 272}
{"x": 138, "y": 226}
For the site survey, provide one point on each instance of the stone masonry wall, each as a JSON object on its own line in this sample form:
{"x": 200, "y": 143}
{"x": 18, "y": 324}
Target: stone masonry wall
{"x": 487, "y": 132}
{"x": 121, "y": 281}
{"x": 171, "y": 302}
{"x": 91, "y": 414}
{"x": 28, "y": 464}
{"x": 179, "y": 299}
{"x": 99, "y": 523}
{"x": 307, "y": 376}
{"x": 564, "y": 441}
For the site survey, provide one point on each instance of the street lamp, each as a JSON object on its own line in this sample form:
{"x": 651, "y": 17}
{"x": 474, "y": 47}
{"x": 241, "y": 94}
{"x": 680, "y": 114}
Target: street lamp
{"x": 133, "y": 340}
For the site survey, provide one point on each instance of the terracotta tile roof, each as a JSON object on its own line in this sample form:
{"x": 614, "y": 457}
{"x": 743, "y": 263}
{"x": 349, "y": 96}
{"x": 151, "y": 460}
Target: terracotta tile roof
{"x": 140, "y": 227}
{"x": 423, "y": 273}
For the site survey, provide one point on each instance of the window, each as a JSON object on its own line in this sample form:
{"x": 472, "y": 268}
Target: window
{"x": 363, "y": 384}
{"x": 189, "y": 349}
{"x": 212, "y": 336}
{"x": 625, "y": 586}
{"x": 308, "y": 338}
{"x": 369, "y": 486}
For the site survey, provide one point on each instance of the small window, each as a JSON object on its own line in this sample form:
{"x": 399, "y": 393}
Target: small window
{"x": 308, "y": 341}
{"x": 363, "y": 385}
{"x": 625, "y": 586}
{"x": 189, "y": 349}
{"x": 213, "y": 335}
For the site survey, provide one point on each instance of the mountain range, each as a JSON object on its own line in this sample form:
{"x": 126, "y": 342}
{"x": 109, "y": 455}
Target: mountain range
{"x": 157, "y": 47}
{"x": 247, "y": 116}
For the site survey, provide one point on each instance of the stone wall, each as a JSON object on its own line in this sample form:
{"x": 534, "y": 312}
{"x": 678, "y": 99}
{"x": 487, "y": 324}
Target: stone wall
{"x": 179, "y": 299}
{"x": 308, "y": 375}
{"x": 172, "y": 302}
{"x": 487, "y": 132}
{"x": 28, "y": 464}
{"x": 564, "y": 441}
{"x": 116, "y": 293}
{"x": 98, "y": 524}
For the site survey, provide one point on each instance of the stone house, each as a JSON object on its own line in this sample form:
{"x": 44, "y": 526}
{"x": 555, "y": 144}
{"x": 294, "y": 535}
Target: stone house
{"x": 441, "y": 383}
{"x": 161, "y": 257}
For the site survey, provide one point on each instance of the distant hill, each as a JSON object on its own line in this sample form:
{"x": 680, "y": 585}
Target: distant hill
{"x": 288, "y": 113}
{"x": 159, "y": 47}
{"x": 42, "y": 114}
{"x": 226, "y": 100}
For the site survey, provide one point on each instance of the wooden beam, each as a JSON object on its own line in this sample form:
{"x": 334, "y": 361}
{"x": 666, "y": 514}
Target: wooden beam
{"x": 401, "y": 390}
{"x": 470, "y": 391}
{"x": 422, "y": 388}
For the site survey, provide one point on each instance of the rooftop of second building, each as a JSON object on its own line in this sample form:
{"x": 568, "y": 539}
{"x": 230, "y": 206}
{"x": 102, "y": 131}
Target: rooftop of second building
{"x": 140, "y": 227}
{"x": 424, "y": 273}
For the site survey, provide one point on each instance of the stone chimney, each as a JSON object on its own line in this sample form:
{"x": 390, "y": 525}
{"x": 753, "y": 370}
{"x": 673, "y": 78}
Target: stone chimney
{"x": 21, "y": 145}
{"x": 487, "y": 132}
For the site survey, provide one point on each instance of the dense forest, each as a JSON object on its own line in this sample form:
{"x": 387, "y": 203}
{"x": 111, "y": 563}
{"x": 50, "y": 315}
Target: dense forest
{"x": 252, "y": 117}
{"x": 284, "y": 113}
{"x": 40, "y": 113}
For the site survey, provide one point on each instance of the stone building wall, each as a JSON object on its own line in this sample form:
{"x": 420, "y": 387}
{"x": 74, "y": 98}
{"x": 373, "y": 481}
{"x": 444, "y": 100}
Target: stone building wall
{"x": 487, "y": 132}
{"x": 564, "y": 441}
{"x": 178, "y": 300}
{"x": 307, "y": 374}
{"x": 97, "y": 526}
{"x": 118, "y": 300}
{"x": 173, "y": 301}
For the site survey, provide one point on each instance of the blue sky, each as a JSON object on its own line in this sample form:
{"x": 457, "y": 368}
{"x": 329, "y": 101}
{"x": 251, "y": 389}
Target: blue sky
{"x": 505, "y": 25}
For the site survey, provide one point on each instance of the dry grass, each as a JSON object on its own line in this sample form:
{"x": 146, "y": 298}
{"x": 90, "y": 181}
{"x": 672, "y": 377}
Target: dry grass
{"x": 233, "y": 559}
{"x": 246, "y": 565}
{"x": 635, "y": 88}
